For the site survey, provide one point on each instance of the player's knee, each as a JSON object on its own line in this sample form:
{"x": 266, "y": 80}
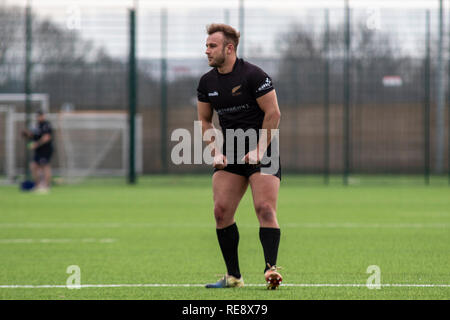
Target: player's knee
{"x": 220, "y": 212}
{"x": 265, "y": 211}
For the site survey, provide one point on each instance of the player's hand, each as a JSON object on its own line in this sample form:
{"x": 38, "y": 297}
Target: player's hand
{"x": 32, "y": 145}
{"x": 25, "y": 133}
{"x": 220, "y": 161}
{"x": 252, "y": 157}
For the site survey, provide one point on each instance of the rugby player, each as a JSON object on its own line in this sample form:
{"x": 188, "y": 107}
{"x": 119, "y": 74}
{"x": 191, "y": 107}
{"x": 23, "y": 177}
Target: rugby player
{"x": 244, "y": 98}
{"x": 41, "y": 143}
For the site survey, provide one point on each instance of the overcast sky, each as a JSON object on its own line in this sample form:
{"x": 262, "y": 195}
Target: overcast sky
{"x": 232, "y": 3}
{"x": 105, "y": 21}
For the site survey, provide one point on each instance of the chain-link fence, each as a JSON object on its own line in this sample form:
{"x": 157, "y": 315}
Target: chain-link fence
{"x": 362, "y": 89}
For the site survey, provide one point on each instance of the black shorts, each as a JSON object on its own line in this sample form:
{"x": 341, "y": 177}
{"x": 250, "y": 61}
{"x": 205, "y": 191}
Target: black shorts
{"x": 246, "y": 170}
{"x": 42, "y": 159}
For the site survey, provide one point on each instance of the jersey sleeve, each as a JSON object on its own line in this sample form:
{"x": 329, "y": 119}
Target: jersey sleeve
{"x": 35, "y": 134}
{"x": 46, "y": 129}
{"x": 260, "y": 83}
{"x": 202, "y": 92}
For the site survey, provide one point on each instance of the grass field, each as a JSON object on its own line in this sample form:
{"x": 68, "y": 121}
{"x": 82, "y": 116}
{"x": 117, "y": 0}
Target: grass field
{"x": 162, "y": 231}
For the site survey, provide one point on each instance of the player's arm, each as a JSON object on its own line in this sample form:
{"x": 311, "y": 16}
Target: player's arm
{"x": 205, "y": 115}
{"x": 43, "y": 140}
{"x": 272, "y": 115}
{"x": 27, "y": 134}
{"x": 269, "y": 105}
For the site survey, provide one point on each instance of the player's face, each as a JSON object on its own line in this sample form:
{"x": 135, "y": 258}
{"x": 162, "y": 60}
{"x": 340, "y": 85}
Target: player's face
{"x": 215, "y": 50}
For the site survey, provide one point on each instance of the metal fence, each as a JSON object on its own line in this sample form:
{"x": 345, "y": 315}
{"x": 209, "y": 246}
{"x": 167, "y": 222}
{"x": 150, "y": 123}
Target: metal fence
{"x": 363, "y": 88}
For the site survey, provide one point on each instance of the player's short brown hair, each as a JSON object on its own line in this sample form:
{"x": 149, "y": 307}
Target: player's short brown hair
{"x": 231, "y": 35}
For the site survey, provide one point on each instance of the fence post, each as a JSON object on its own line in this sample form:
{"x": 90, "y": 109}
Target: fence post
{"x": 326, "y": 84}
{"x": 226, "y": 16}
{"x": 440, "y": 96}
{"x": 346, "y": 107}
{"x": 163, "y": 82}
{"x": 241, "y": 28}
{"x": 426, "y": 110}
{"x": 448, "y": 112}
{"x": 132, "y": 83}
{"x": 27, "y": 85}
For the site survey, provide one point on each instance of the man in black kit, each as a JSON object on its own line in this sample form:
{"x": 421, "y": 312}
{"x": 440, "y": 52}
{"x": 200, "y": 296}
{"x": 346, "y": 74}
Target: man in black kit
{"x": 244, "y": 98}
{"x": 41, "y": 143}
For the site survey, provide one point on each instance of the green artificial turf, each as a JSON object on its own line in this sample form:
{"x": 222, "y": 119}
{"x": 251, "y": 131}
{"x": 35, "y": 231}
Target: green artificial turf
{"x": 162, "y": 231}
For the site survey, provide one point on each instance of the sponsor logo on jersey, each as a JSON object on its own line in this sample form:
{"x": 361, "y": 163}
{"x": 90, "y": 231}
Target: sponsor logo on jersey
{"x": 224, "y": 110}
{"x": 266, "y": 85}
{"x": 213, "y": 94}
{"x": 234, "y": 91}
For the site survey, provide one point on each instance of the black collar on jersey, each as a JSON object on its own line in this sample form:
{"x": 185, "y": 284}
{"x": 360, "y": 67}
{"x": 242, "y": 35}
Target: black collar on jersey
{"x": 237, "y": 63}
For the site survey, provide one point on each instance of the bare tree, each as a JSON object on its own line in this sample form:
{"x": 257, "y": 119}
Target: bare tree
{"x": 9, "y": 21}
{"x": 374, "y": 54}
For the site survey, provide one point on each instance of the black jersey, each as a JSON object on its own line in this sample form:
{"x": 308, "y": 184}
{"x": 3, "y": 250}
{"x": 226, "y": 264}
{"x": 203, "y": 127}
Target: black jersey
{"x": 233, "y": 95}
{"x": 43, "y": 128}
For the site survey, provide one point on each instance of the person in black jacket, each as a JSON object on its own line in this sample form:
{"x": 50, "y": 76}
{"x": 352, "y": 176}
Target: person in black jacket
{"x": 41, "y": 143}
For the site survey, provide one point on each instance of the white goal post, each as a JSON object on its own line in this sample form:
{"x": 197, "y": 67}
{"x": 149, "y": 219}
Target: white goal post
{"x": 87, "y": 144}
{"x": 8, "y": 134}
{"x": 96, "y": 144}
{"x": 41, "y": 98}
{"x": 8, "y": 141}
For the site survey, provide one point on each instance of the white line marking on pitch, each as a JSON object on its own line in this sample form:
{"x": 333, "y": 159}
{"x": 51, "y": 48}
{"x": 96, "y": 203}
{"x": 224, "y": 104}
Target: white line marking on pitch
{"x": 176, "y": 285}
{"x": 344, "y": 225}
{"x": 84, "y": 240}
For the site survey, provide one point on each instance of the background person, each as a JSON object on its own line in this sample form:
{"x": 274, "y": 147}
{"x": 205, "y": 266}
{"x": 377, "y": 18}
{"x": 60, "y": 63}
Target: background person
{"x": 41, "y": 143}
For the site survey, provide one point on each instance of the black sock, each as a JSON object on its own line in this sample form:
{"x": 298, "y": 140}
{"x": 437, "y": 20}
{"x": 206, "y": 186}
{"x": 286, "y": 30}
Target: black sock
{"x": 270, "y": 240}
{"x": 228, "y": 240}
